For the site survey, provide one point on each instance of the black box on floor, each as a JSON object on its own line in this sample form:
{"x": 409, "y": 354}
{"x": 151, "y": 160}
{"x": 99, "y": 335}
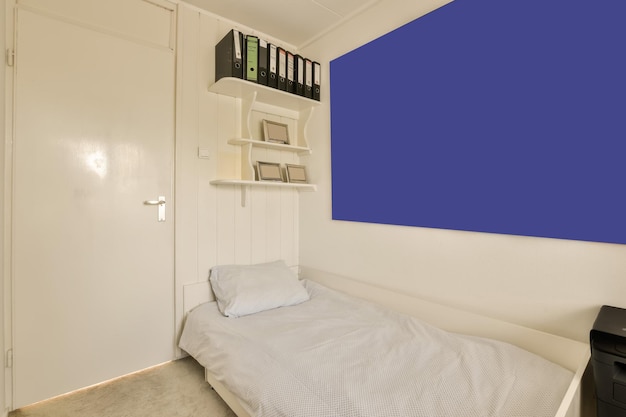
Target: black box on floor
{"x": 608, "y": 358}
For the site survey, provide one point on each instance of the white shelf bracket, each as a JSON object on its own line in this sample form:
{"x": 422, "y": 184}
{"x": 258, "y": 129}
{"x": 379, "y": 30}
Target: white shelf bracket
{"x": 305, "y": 116}
{"x": 247, "y": 103}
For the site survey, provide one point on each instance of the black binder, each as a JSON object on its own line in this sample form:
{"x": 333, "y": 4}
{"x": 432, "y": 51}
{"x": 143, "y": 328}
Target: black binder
{"x": 308, "y": 78}
{"x": 263, "y": 60}
{"x": 282, "y": 69}
{"x": 317, "y": 75}
{"x": 272, "y": 75}
{"x": 291, "y": 86}
{"x": 229, "y": 56}
{"x": 252, "y": 58}
{"x": 299, "y": 74}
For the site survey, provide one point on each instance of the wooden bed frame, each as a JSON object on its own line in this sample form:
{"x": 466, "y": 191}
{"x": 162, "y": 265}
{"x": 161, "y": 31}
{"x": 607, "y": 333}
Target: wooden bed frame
{"x": 570, "y": 354}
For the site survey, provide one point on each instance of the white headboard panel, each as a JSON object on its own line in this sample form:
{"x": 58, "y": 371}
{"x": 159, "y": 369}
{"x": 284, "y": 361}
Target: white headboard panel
{"x": 196, "y": 294}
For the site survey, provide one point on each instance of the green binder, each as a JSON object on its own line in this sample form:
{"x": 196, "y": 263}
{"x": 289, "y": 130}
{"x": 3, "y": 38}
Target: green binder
{"x": 252, "y": 58}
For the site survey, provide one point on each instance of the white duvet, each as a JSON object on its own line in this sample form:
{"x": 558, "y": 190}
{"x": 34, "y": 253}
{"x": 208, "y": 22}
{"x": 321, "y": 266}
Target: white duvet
{"x": 335, "y": 355}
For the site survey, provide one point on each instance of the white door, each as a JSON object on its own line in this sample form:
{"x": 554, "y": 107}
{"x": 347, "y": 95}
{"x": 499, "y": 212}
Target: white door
{"x": 92, "y": 267}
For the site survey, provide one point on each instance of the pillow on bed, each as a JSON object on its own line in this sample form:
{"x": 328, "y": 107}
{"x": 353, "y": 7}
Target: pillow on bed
{"x": 248, "y": 289}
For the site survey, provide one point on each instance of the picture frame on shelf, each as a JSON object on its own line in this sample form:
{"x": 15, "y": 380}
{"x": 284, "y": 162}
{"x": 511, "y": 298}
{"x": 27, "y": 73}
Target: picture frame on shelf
{"x": 269, "y": 171}
{"x": 275, "y": 132}
{"x": 296, "y": 173}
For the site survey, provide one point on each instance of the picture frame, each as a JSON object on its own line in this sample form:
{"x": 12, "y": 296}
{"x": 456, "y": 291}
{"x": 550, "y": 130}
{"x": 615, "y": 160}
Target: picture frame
{"x": 275, "y": 132}
{"x": 296, "y": 173}
{"x": 269, "y": 171}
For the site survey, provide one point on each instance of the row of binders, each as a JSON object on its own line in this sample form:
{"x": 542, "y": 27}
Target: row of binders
{"x": 253, "y": 59}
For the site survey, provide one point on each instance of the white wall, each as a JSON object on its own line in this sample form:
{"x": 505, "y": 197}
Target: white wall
{"x": 547, "y": 284}
{"x": 212, "y": 226}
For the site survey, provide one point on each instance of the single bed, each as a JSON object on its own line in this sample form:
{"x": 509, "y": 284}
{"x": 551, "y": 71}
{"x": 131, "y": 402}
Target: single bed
{"x": 334, "y": 354}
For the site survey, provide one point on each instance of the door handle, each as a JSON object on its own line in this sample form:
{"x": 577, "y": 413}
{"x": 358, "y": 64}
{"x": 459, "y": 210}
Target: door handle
{"x": 154, "y": 202}
{"x": 161, "y": 203}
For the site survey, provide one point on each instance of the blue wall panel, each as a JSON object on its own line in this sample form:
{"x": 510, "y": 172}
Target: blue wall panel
{"x": 501, "y": 116}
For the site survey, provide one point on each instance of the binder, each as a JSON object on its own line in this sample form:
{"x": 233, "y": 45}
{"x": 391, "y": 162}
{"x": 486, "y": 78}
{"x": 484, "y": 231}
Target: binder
{"x": 252, "y": 58}
{"x": 299, "y": 74}
{"x": 282, "y": 69}
{"x": 291, "y": 86}
{"x": 229, "y": 56}
{"x": 308, "y": 78}
{"x": 272, "y": 75}
{"x": 263, "y": 60}
{"x": 317, "y": 75}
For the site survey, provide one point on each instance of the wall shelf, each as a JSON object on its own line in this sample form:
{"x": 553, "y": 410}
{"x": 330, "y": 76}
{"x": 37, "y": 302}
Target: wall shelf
{"x": 245, "y": 184}
{"x": 236, "y": 87}
{"x": 278, "y": 184}
{"x": 270, "y": 100}
{"x": 301, "y": 150}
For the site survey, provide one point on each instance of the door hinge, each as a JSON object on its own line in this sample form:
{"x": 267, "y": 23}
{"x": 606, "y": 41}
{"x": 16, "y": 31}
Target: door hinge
{"x": 10, "y": 56}
{"x": 9, "y": 359}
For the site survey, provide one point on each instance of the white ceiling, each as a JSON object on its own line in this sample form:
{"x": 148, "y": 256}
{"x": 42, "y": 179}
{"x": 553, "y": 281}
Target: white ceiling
{"x": 297, "y": 22}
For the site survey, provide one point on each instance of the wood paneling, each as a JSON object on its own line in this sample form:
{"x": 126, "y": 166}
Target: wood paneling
{"x": 213, "y": 227}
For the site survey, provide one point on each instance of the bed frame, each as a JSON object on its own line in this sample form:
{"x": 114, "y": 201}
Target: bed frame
{"x": 570, "y": 354}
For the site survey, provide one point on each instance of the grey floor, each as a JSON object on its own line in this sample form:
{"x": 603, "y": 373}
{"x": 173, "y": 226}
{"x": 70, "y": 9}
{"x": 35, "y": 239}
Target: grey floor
{"x": 175, "y": 389}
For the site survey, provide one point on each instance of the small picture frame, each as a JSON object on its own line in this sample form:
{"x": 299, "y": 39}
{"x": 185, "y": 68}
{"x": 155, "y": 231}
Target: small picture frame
{"x": 296, "y": 173}
{"x": 268, "y": 171}
{"x": 275, "y": 132}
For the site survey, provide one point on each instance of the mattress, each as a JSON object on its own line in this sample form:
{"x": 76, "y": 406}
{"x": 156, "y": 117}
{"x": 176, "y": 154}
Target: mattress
{"x": 336, "y": 355}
